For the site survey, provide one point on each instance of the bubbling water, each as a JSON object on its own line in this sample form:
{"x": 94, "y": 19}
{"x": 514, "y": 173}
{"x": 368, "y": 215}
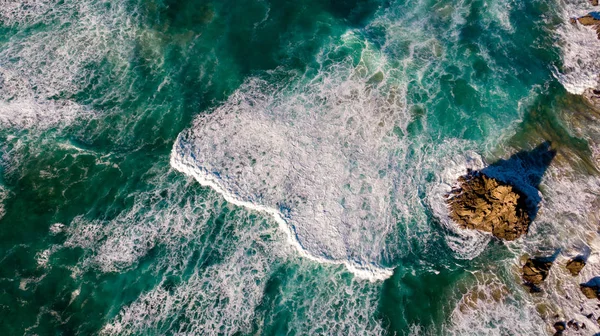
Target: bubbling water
{"x": 41, "y": 71}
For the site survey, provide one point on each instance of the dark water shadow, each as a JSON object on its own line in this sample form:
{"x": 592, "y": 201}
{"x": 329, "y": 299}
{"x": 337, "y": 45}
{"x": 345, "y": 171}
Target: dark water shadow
{"x": 593, "y": 282}
{"x": 524, "y": 171}
{"x": 586, "y": 251}
{"x": 547, "y": 258}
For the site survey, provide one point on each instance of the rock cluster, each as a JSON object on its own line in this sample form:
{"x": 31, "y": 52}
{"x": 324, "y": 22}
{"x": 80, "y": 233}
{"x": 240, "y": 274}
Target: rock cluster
{"x": 536, "y": 270}
{"x": 486, "y": 204}
{"x": 575, "y": 265}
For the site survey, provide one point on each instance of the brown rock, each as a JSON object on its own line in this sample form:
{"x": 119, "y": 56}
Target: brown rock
{"x": 535, "y": 271}
{"x": 486, "y": 204}
{"x": 594, "y": 2}
{"x": 590, "y": 292}
{"x": 588, "y": 20}
{"x": 575, "y": 265}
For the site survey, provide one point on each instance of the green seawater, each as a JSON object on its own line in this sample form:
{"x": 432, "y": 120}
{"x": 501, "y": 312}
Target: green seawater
{"x": 99, "y": 235}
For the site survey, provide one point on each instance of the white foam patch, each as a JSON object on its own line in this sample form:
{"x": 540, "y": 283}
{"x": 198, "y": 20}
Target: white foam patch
{"x": 20, "y": 12}
{"x": 57, "y": 228}
{"x": 500, "y": 12}
{"x": 43, "y": 257}
{"x": 41, "y": 70}
{"x": 580, "y": 48}
{"x": 20, "y": 108}
{"x": 320, "y": 156}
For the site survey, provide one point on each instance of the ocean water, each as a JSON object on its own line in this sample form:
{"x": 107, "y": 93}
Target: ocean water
{"x": 278, "y": 167}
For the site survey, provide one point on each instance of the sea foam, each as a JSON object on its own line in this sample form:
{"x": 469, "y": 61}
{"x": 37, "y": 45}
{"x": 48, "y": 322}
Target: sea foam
{"x": 42, "y": 70}
{"x": 319, "y": 157}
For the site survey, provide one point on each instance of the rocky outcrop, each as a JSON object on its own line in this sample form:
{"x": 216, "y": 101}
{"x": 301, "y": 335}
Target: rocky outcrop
{"x": 575, "y": 266}
{"x": 535, "y": 271}
{"x": 590, "y": 291}
{"x": 486, "y": 204}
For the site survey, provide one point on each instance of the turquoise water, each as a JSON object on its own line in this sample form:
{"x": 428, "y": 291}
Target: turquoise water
{"x": 349, "y": 118}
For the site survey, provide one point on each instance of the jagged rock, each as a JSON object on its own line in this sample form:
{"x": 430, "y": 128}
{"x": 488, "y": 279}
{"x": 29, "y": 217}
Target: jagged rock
{"x": 486, "y": 204}
{"x": 594, "y": 2}
{"x": 535, "y": 271}
{"x": 575, "y": 265}
{"x": 590, "y": 291}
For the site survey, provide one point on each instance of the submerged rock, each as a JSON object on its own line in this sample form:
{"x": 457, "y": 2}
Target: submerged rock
{"x": 536, "y": 271}
{"x": 486, "y": 204}
{"x": 575, "y": 266}
{"x": 590, "y": 291}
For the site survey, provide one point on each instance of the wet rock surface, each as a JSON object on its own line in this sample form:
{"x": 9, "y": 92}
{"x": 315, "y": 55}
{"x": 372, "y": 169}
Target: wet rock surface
{"x": 590, "y": 291}
{"x": 535, "y": 271}
{"x": 575, "y": 266}
{"x": 486, "y": 204}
